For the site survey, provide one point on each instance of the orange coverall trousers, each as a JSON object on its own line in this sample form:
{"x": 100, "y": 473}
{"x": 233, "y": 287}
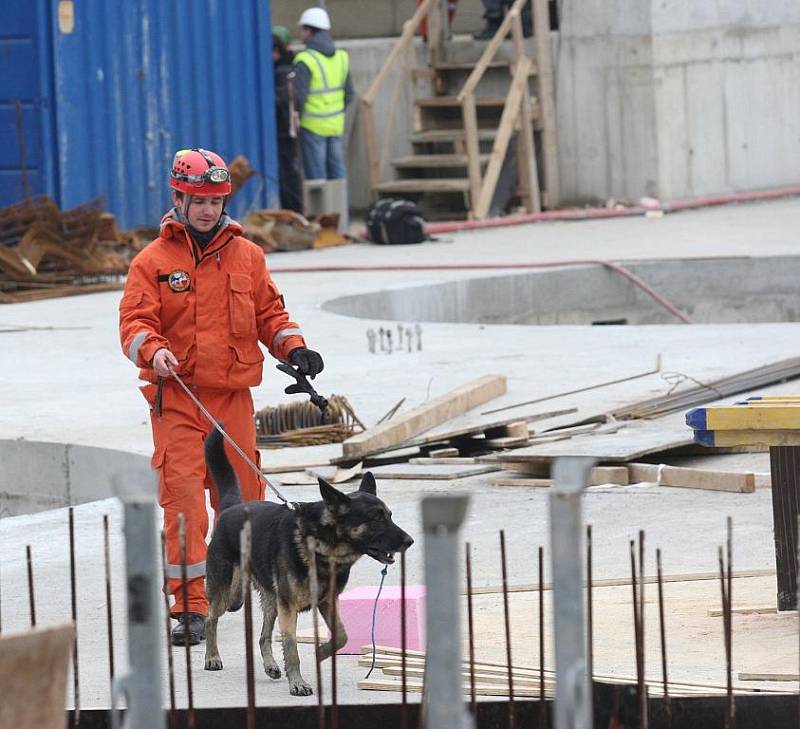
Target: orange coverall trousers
{"x": 179, "y": 432}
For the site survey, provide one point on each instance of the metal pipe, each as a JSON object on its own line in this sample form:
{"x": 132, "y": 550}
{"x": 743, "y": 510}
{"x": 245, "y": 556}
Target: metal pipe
{"x": 731, "y": 706}
{"x": 245, "y": 549}
{"x": 662, "y": 627}
{"x": 313, "y": 584}
{"x": 403, "y": 645}
{"x": 334, "y": 624}
{"x": 442, "y": 517}
{"x": 636, "y": 632}
{"x": 473, "y": 702}
{"x": 512, "y": 714}
{"x": 589, "y": 612}
{"x": 643, "y": 717}
{"x": 573, "y": 709}
{"x": 76, "y": 689}
{"x": 142, "y": 685}
{"x": 173, "y": 717}
{"x": 31, "y": 597}
{"x": 109, "y": 609}
{"x": 191, "y": 720}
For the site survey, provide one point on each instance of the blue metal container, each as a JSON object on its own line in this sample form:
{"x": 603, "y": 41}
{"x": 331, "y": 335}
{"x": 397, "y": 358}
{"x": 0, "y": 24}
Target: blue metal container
{"x": 110, "y": 90}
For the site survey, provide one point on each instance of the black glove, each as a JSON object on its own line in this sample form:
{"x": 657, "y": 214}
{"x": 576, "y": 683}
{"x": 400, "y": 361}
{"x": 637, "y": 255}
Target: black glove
{"x": 307, "y": 361}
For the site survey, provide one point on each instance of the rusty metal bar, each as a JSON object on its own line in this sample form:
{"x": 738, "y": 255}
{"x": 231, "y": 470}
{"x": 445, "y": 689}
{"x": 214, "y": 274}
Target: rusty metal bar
{"x": 589, "y": 610}
{"x": 643, "y": 718}
{"x": 173, "y": 717}
{"x": 637, "y": 633}
{"x": 473, "y": 703}
{"x": 313, "y": 585}
{"x": 403, "y": 646}
{"x": 31, "y": 597}
{"x": 334, "y": 617}
{"x": 542, "y": 705}
{"x": 245, "y": 550}
{"x": 191, "y": 719}
{"x": 785, "y": 469}
{"x": 662, "y": 627}
{"x": 76, "y": 688}
{"x": 512, "y": 714}
{"x": 109, "y": 611}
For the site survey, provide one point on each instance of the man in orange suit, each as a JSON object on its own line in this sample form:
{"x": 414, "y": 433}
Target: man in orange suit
{"x": 198, "y": 300}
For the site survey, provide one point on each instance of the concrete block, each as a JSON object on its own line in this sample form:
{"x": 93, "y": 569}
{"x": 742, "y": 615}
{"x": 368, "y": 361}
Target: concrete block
{"x": 356, "y": 607}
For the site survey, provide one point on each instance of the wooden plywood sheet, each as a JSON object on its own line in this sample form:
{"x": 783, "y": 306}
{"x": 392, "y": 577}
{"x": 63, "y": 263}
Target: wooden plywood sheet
{"x": 432, "y": 472}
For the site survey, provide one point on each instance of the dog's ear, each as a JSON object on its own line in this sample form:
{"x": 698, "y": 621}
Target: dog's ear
{"x": 334, "y": 499}
{"x": 368, "y": 485}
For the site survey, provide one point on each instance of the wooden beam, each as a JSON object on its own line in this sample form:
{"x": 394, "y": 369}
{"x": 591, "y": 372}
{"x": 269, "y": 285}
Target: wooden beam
{"x": 511, "y": 112}
{"x": 697, "y": 478}
{"x": 433, "y": 413}
{"x": 371, "y": 141}
{"x": 729, "y": 438}
{"x": 546, "y": 97}
{"x": 469, "y": 116}
{"x": 745, "y": 417}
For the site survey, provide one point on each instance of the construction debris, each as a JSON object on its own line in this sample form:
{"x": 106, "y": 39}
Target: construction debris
{"x": 286, "y": 230}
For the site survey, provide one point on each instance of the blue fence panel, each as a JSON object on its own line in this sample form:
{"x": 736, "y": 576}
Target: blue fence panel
{"x": 135, "y": 81}
{"x": 26, "y": 121}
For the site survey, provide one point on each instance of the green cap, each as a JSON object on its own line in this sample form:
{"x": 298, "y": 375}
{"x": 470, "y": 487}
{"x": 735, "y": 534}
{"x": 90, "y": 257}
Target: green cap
{"x": 282, "y": 34}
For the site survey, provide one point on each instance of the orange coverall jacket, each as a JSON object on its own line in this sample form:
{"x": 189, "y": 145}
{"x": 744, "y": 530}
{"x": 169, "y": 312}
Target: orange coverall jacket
{"x": 209, "y": 309}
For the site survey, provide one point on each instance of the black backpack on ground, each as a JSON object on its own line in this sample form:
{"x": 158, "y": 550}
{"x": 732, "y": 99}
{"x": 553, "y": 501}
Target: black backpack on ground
{"x": 395, "y": 222}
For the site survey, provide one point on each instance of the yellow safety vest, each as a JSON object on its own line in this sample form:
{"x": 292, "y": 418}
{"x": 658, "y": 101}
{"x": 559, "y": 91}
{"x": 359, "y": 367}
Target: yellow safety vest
{"x": 323, "y": 112}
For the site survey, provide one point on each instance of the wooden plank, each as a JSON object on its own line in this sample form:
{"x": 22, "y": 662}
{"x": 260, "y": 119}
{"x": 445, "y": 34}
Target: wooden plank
{"x": 515, "y": 429}
{"x": 763, "y": 610}
{"x": 503, "y": 443}
{"x": 544, "y": 62}
{"x": 643, "y": 472}
{"x": 738, "y": 417}
{"x": 33, "y": 667}
{"x": 439, "y": 410}
{"x": 697, "y": 478}
{"x": 443, "y": 453}
{"x": 371, "y": 142}
{"x": 469, "y": 118}
{"x": 769, "y": 677}
{"x": 728, "y": 438}
{"x": 440, "y": 136}
{"x": 404, "y": 472}
{"x": 529, "y": 482}
{"x": 609, "y": 474}
{"x": 444, "y": 461}
{"x": 505, "y": 129}
{"x": 434, "y": 184}
{"x": 435, "y": 161}
{"x": 441, "y": 102}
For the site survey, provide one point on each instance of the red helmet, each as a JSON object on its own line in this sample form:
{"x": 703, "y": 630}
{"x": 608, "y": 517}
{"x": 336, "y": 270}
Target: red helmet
{"x": 199, "y": 172}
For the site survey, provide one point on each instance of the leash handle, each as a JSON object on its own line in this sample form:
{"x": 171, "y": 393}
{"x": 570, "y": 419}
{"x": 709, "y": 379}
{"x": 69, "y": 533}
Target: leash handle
{"x": 230, "y": 440}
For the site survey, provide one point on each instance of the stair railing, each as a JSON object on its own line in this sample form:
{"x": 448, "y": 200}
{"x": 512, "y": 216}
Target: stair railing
{"x": 517, "y": 111}
{"x": 376, "y": 149}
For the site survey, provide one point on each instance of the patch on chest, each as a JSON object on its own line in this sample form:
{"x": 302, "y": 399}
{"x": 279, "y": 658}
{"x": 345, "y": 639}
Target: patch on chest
{"x": 179, "y": 280}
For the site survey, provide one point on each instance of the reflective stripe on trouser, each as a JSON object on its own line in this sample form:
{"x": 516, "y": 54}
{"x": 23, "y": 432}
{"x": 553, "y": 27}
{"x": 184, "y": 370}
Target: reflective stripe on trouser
{"x": 178, "y": 436}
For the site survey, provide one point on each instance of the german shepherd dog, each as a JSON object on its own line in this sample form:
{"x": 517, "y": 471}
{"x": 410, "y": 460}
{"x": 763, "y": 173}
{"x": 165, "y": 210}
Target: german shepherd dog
{"x": 343, "y": 527}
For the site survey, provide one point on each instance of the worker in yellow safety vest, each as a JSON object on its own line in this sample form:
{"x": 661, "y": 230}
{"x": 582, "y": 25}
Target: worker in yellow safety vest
{"x": 323, "y": 89}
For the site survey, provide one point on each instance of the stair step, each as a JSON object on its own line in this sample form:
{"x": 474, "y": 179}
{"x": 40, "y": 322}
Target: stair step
{"x": 449, "y": 135}
{"x": 469, "y": 65}
{"x": 435, "y": 160}
{"x": 436, "y": 102}
{"x": 441, "y": 184}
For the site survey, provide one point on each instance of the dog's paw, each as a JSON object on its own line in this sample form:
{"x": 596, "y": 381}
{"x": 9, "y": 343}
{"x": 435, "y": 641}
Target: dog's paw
{"x": 300, "y": 688}
{"x": 272, "y": 671}
{"x": 213, "y": 663}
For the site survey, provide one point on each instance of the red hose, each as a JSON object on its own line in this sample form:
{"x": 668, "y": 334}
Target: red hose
{"x": 632, "y": 277}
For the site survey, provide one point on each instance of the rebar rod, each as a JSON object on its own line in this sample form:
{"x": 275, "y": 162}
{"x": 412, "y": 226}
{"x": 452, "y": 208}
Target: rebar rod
{"x": 662, "y": 628}
{"x": 76, "y": 688}
{"x": 637, "y": 643}
{"x": 643, "y": 718}
{"x": 589, "y": 611}
{"x": 473, "y": 702}
{"x": 191, "y": 720}
{"x": 173, "y": 717}
{"x": 403, "y": 645}
{"x": 512, "y": 714}
{"x": 31, "y": 597}
{"x": 109, "y": 609}
{"x": 313, "y": 585}
{"x": 731, "y": 707}
{"x": 542, "y": 705}
{"x": 245, "y": 550}
{"x": 334, "y": 617}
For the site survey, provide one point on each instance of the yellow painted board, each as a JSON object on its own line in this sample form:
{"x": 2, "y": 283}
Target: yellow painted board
{"x": 736, "y": 417}
{"x": 728, "y": 438}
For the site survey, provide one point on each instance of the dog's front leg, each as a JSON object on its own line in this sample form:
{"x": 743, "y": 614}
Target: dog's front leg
{"x": 287, "y": 622}
{"x": 269, "y": 607}
{"x": 326, "y": 649}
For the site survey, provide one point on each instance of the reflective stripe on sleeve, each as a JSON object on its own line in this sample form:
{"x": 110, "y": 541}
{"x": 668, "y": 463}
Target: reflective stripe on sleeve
{"x": 133, "y": 352}
{"x": 193, "y": 571}
{"x": 283, "y": 333}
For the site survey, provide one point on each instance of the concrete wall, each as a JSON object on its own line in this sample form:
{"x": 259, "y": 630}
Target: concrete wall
{"x": 37, "y": 476}
{"x": 675, "y": 98}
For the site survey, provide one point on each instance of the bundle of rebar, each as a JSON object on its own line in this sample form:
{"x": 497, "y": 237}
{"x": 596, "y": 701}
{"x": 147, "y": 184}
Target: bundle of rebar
{"x": 302, "y": 424}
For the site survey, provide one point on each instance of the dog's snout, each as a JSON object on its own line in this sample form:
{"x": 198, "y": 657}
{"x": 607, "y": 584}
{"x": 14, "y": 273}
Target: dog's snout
{"x": 407, "y": 542}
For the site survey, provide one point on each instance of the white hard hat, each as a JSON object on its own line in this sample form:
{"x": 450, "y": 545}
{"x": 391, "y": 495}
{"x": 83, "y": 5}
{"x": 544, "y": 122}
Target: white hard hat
{"x": 315, "y": 18}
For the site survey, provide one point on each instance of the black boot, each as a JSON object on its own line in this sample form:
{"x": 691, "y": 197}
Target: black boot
{"x": 488, "y": 32}
{"x": 196, "y": 629}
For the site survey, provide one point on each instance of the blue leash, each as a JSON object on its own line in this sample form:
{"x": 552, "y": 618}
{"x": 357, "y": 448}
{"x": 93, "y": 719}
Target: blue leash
{"x": 374, "y": 612}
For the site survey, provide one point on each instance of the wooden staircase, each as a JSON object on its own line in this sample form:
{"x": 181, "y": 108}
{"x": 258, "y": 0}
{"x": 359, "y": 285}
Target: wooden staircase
{"x": 465, "y": 118}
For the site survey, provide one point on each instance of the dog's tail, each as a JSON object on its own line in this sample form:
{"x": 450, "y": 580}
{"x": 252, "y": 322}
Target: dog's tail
{"x": 222, "y": 471}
